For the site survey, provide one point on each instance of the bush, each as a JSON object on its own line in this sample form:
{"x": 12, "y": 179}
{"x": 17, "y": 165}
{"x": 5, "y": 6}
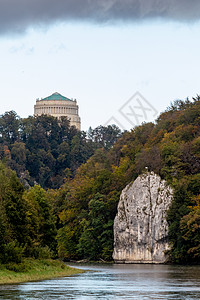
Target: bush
{"x": 21, "y": 267}
{"x": 42, "y": 253}
{"x": 12, "y": 253}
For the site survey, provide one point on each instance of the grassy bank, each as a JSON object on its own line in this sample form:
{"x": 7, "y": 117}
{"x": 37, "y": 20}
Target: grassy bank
{"x": 33, "y": 270}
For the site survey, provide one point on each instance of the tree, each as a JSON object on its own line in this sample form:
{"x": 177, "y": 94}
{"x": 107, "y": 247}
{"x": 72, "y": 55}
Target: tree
{"x": 190, "y": 229}
{"x": 104, "y": 136}
{"x": 94, "y": 240}
{"x": 13, "y": 229}
{"x": 9, "y": 127}
{"x": 42, "y": 222}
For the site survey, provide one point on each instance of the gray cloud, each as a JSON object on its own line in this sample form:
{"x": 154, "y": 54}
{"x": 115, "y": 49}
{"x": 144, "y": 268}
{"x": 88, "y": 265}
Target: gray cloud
{"x": 18, "y": 15}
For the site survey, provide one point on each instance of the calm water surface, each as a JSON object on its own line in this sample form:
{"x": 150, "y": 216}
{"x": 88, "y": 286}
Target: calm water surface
{"x": 114, "y": 282}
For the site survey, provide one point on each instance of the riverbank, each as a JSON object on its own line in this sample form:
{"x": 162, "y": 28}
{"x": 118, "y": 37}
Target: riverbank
{"x": 34, "y": 270}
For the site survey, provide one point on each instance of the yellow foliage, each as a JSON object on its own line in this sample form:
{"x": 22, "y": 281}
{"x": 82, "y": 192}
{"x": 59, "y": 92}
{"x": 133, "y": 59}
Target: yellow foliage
{"x": 196, "y": 201}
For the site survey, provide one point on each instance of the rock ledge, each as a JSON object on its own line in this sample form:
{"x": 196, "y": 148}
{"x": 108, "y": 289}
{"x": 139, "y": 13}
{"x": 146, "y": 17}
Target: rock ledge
{"x": 140, "y": 226}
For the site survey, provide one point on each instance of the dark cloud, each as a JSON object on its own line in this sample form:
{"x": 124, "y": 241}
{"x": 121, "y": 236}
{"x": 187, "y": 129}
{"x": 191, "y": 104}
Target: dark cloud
{"x": 18, "y": 15}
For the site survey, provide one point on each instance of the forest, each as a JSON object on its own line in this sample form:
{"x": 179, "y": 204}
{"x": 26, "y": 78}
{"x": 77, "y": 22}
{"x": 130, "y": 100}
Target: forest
{"x": 44, "y": 150}
{"x": 59, "y": 188}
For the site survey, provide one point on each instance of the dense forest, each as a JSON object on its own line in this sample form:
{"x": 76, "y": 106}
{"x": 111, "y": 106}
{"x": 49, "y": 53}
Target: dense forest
{"x": 62, "y": 198}
{"x": 44, "y": 150}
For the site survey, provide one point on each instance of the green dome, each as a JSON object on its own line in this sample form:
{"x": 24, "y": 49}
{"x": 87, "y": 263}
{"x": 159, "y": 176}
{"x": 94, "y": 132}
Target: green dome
{"x": 56, "y": 96}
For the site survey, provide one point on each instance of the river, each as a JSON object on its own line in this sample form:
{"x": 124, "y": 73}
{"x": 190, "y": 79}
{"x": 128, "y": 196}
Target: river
{"x": 114, "y": 282}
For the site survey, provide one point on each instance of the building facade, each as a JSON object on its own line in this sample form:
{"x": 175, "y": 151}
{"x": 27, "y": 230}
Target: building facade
{"x": 59, "y": 106}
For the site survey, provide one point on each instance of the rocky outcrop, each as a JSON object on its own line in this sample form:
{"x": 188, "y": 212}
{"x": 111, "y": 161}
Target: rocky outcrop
{"x": 140, "y": 226}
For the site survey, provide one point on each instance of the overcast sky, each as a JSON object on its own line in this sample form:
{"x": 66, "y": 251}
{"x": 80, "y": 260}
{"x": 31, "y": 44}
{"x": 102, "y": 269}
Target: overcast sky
{"x": 101, "y": 53}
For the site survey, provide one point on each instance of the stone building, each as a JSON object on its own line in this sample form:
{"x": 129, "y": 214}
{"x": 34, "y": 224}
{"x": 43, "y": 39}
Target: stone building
{"x": 58, "y": 106}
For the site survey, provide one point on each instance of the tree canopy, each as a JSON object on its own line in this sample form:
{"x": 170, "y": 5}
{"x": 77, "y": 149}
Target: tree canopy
{"x": 45, "y": 150}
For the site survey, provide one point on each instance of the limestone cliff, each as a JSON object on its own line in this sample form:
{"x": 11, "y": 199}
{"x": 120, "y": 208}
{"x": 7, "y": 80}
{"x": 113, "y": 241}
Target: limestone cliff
{"x": 140, "y": 226}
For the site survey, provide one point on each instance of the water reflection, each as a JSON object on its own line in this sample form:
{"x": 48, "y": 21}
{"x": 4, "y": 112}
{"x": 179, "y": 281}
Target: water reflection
{"x": 115, "y": 282}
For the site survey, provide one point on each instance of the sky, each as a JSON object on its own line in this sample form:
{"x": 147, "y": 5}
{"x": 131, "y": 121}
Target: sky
{"x": 124, "y": 61}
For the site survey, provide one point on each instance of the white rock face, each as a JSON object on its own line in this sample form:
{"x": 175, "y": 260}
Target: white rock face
{"x": 140, "y": 226}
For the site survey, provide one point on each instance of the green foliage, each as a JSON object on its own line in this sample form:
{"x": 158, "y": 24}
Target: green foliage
{"x": 9, "y": 127}
{"x": 67, "y": 241}
{"x": 42, "y": 252}
{"x": 104, "y": 136}
{"x": 13, "y": 209}
{"x": 16, "y": 267}
{"x": 93, "y": 238}
{"x": 89, "y": 200}
{"x": 44, "y": 147}
{"x": 190, "y": 230}
{"x": 41, "y": 221}
{"x": 12, "y": 252}
{"x": 90, "y": 171}
{"x": 27, "y": 224}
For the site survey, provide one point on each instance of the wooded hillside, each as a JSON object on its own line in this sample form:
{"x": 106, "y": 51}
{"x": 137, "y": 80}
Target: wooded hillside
{"x": 85, "y": 174}
{"x": 170, "y": 148}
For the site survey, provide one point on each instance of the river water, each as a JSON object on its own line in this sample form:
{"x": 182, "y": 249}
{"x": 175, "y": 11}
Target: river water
{"x": 114, "y": 282}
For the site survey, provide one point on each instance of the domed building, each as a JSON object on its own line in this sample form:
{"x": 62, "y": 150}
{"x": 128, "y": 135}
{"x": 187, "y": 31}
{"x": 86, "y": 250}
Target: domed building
{"x": 59, "y": 106}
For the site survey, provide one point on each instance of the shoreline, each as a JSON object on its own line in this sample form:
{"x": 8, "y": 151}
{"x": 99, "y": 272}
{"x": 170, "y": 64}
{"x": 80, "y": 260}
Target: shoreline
{"x": 35, "y": 270}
